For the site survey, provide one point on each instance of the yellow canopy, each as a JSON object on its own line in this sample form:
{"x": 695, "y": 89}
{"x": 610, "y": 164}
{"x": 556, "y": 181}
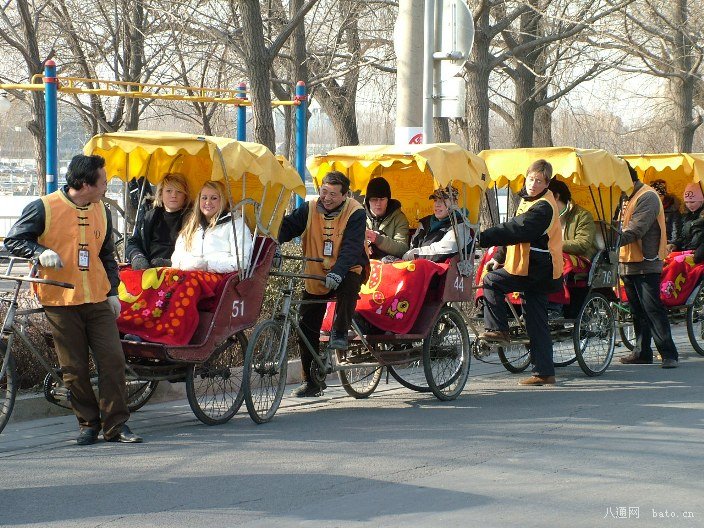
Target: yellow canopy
{"x": 252, "y": 170}
{"x": 413, "y": 172}
{"x": 676, "y": 169}
{"x": 594, "y": 175}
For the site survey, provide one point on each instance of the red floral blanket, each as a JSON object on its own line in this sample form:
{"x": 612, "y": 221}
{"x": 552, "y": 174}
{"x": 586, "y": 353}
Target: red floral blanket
{"x": 161, "y": 304}
{"x": 392, "y": 297}
{"x": 572, "y": 264}
{"x": 679, "y": 277}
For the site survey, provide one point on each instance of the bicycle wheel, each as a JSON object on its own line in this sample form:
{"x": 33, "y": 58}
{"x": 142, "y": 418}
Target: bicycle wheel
{"x": 628, "y": 334}
{"x": 515, "y": 358}
{"x": 695, "y": 323}
{"x": 411, "y": 375}
{"x": 594, "y": 335}
{"x": 360, "y": 382}
{"x": 265, "y": 367}
{"x": 139, "y": 392}
{"x": 214, "y": 388}
{"x": 563, "y": 352}
{"x": 8, "y": 384}
{"x": 446, "y": 355}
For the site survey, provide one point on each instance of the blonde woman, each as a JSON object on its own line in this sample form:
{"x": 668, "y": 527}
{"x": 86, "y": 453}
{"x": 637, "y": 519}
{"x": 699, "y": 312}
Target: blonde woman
{"x": 208, "y": 241}
{"x": 153, "y": 242}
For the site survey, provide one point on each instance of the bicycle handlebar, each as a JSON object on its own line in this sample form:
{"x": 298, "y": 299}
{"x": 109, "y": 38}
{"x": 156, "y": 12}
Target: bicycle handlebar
{"x": 37, "y": 280}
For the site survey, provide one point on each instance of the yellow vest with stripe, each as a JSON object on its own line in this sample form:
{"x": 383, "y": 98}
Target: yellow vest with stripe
{"x": 318, "y": 230}
{"x": 518, "y": 255}
{"x": 633, "y": 252}
{"x": 67, "y": 229}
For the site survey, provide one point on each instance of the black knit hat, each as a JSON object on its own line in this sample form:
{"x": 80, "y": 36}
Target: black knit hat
{"x": 378, "y": 188}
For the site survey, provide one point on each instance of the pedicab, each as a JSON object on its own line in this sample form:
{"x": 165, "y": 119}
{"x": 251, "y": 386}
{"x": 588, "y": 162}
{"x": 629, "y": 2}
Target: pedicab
{"x": 193, "y": 323}
{"x": 681, "y": 288}
{"x": 596, "y": 180}
{"x": 420, "y": 338}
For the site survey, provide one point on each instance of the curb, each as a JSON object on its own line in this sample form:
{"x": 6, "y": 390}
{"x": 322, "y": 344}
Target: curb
{"x": 35, "y": 406}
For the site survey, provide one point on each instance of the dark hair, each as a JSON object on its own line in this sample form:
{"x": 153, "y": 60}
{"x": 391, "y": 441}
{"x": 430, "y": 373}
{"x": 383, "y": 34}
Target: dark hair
{"x": 560, "y": 188}
{"x": 543, "y": 167}
{"x": 337, "y": 178}
{"x": 83, "y": 169}
{"x": 632, "y": 171}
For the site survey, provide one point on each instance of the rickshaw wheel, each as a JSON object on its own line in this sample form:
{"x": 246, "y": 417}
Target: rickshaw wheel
{"x": 625, "y": 326}
{"x": 214, "y": 388}
{"x": 446, "y": 355}
{"x": 265, "y": 365}
{"x": 412, "y": 374}
{"x": 695, "y": 322}
{"x": 359, "y": 382}
{"x": 139, "y": 392}
{"x": 515, "y": 358}
{"x": 563, "y": 353}
{"x": 594, "y": 335}
{"x": 8, "y": 385}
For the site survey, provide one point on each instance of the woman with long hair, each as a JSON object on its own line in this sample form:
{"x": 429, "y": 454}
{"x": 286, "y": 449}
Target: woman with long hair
{"x": 210, "y": 240}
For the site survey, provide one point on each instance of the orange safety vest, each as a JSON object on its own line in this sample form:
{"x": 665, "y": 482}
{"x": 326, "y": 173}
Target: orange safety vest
{"x": 518, "y": 255}
{"x": 67, "y": 229}
{"x": 320, "y": 229}
{"x": 633, "y": 252}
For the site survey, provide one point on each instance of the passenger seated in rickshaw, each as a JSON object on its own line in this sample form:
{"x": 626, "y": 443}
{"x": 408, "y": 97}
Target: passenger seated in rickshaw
{"x": 435, "y": 237}
{"x": 579, "y": 240}
{"x": 691, "y": 236}
{"x": 153, "y": 242}
{"x": 387, "y": 225}
{"x": 671, "y": 205}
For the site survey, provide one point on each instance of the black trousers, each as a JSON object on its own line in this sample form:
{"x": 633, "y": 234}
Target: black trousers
{"x": 311, "y": 316}
{"x": 496, "y": 285}
{"x": 649, "y": 316}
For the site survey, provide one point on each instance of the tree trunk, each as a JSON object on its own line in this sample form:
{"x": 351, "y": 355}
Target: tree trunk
{"x": 476, "y": 125}
{"x": 441, "y": 129}
{"x": 542, "y": 131}
{"x": 524, "y": 82}
{"x": 299, "y": 72}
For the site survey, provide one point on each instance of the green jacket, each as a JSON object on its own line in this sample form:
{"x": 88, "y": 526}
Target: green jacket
{"x": 392, "y": 232}
{"x": 578, "y": 231}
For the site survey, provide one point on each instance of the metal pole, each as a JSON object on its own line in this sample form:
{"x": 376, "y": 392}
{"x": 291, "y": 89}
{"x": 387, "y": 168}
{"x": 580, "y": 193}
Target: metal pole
{"x": 409, "y": 64}
{"x": 301, "y": 139}
{"x": 428, "y": 50}
{"x": 242, "y": 113}
{"x": 51, "y": 85}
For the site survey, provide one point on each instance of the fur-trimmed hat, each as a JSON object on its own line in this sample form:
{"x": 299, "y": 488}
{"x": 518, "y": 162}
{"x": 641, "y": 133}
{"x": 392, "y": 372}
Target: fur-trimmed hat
{"x": 378, "y": 188}
{"x": 445, "y": 193}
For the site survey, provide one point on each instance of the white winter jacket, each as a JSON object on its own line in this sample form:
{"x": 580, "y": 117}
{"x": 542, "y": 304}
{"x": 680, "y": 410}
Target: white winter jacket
{"x": 214, "y": 249}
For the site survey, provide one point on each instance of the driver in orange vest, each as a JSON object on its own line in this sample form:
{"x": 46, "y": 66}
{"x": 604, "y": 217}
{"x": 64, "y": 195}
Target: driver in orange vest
{"x": 530, "y": 263}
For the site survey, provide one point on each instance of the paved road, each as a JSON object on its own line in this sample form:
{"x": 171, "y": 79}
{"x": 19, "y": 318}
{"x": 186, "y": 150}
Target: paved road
{"x": 585, "y": 453}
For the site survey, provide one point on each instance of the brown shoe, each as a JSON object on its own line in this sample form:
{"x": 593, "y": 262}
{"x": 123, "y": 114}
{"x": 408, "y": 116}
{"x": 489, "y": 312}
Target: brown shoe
{"x": 538, "y": 380}
{"x": 495, "y": 336}
{"x": 632, "y": 359}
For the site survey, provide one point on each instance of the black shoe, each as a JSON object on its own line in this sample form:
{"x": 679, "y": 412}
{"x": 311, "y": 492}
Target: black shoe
{"x": 308, "y": 389}
{"x": 632, "y": 359}
{"x": 338, "y": 341}
{"x": 125, "y": 436}
{"x": 669, "y": 363}
{"x": 87, "y": 437}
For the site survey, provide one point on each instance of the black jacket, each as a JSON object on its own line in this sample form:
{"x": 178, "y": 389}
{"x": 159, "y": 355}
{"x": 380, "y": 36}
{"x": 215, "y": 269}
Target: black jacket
{"x": 352, "y": 252}
{"x": 22, "y": 239}
{"x": 692, "y": 234}
{"x": 673, "y": 217}
{"x": 140, "y": 242}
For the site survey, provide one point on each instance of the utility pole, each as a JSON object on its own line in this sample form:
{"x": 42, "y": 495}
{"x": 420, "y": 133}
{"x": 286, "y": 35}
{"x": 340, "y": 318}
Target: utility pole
{"x": 408, "y": 44}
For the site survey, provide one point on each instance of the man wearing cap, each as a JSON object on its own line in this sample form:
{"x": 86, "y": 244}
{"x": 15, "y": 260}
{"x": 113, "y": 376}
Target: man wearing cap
{"x": 531, "y": 263}
{"x": 643, "y": 251}
{"x": 436, "y": 236}
{"x": 387, "y": 226}
{"x": 331, "y": 229}
{"x": 691, "y": 236}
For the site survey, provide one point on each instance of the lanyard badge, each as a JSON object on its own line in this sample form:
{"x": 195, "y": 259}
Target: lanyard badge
{"x": 83, "y": 258}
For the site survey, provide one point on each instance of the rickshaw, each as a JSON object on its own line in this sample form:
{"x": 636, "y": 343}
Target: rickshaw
{"x": 678, "y": 170}
{"x": 596, "y": 180}
{"x": 433, "y": 353}
{"x": 259, "y": 187}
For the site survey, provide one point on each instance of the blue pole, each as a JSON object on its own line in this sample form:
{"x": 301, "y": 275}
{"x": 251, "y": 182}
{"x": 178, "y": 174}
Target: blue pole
{"x": 50, "y": 101}
{"x": 242, "y": 113}
{"x": 301, "y": 137}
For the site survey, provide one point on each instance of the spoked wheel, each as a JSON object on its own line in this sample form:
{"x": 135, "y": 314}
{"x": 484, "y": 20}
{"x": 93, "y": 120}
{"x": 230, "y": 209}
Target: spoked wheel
{"x": 214, "y": 388}
{"x": 8, "y": 384}
{"x": 625, "y": 326}
{"x": 412, "y": 374}
{"x": 563, "y": 353}
{"x": 359, "y": 382}
{"x": 695, "y": 322}
{"x": 139, "y": 392}
{"x": 265, "y": 365}
{"x": 446, "y": 355}
{"x": 514, "y": 357}
{"x": 594, "y": 335}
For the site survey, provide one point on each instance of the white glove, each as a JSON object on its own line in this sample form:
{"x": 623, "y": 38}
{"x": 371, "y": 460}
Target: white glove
{"x": 411, "y": 254}
{"x": 50, "y": 259}
{"x": 492, "y": 265}
{"x": 194, "y": 264}
{"x": 332, "y": 281}
{"x": 114, "y": 303}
